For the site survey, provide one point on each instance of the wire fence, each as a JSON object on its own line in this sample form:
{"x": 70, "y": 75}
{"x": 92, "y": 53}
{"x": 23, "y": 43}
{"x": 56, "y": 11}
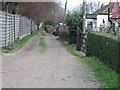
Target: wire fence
{"x": 13, "y": 27}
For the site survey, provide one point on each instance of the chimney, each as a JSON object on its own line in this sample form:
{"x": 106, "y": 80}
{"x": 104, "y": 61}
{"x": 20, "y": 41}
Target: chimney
{"x": 115, "y": 9}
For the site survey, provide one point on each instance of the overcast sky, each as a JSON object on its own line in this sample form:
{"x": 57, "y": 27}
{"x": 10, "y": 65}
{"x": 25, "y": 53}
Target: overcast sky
{"x": 74, "y": 3}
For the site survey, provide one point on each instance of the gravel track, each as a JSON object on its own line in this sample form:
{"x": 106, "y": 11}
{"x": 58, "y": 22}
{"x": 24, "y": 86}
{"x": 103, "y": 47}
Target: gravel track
{"x": 56, "y": 68}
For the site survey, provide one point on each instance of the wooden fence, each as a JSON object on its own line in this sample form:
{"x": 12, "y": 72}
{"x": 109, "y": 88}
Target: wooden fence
{"x": 14, "y": 27}
{"x": 81, "y": 41}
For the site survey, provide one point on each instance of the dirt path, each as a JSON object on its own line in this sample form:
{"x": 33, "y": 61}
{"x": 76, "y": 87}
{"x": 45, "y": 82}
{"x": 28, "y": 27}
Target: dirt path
{"x": 54, "y": 69}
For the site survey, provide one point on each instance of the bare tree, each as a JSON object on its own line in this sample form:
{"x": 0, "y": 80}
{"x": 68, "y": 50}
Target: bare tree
{"x": 91, "y": 7}
{"x": 41, "y": 11}
{"x": 38, "y": 11}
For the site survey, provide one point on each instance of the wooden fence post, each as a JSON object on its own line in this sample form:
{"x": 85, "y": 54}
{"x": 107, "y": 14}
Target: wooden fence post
{"x": 81, "y": 41}
{"x": 78, "y": 45}
{"x": 14, "y": 25}
{"x": 9, "y": 29}
{"x": 6, "y": 29}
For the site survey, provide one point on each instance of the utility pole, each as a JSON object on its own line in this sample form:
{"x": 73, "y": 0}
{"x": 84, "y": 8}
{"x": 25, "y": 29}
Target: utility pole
{"x": 65, "y": 12}
{"x": 84, "y": 16}
{"x": 64, "y": 20}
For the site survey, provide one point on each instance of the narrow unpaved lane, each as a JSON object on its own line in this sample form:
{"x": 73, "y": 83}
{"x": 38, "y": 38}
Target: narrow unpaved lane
{"x": 56, "y": 68}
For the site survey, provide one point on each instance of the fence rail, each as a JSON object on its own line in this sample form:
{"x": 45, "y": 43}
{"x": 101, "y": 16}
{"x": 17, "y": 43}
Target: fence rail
{"x": 14, "y": 27}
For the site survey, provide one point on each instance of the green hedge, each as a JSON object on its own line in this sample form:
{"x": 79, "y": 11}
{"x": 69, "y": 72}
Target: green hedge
{"x": 72, "y": 37}
{"x": 105, "y": 47}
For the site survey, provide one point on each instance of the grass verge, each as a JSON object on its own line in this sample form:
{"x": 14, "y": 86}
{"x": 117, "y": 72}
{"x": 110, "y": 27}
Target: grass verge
{"x": 17, "y": 44}
{"x": 43, "y": 45}
{"x": 108, "y": 77}
{"x": 42, "y": 32}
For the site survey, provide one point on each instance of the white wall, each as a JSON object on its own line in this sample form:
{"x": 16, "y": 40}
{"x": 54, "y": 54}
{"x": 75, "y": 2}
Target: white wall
{"x": 100, "y": 21}
{"x": 97, "y": 23}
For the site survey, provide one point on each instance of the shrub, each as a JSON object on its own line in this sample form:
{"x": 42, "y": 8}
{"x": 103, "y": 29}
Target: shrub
{"x": 72, "y": 37}
{"x": 63, "y": 32}
{"x": 73, "y": 20}
{"x": 105, "y": 47}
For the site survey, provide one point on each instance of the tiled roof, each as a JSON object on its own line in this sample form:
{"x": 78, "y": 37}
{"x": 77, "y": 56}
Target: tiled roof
{"x": 104, "y": 9}
{"x": 114, "y": 10}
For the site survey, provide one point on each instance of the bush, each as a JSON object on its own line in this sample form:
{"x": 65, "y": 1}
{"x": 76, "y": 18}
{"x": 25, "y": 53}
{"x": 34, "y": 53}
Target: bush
{"x": 72, "y": 37}
{"x": 73, "y": 20}
{"x": 63, "y": 32}
{"x": 105, "y": 47}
